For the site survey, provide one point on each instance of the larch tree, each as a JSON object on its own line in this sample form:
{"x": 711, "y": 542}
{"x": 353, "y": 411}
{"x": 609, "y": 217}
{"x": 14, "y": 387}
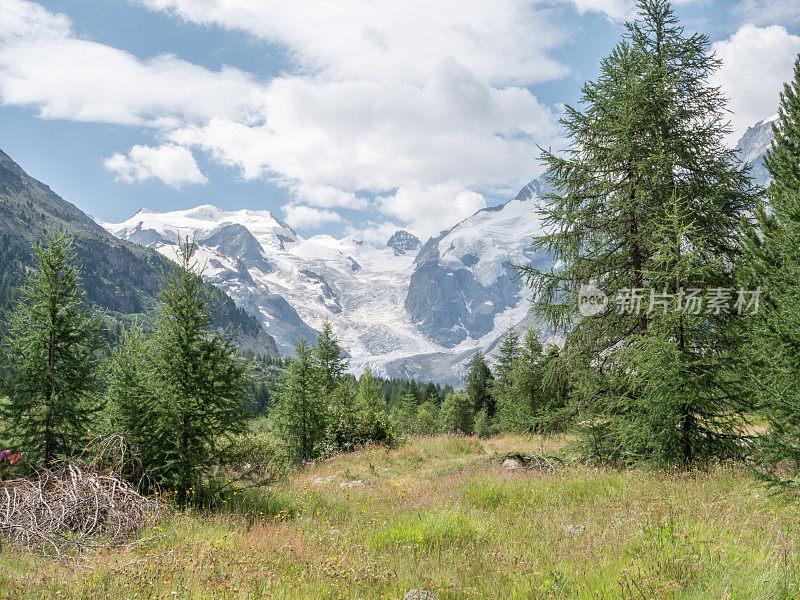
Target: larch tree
{"x": 506, "y": 405}
{"x": 300, "y": 412}
{"x": 478, "y": 385}
{"x": 50, "y": 359}
{"x": 329, "y": 359}
{"x": 189, "y": 387}
{"x": 772, "y": 348}
{"x": 369, "y": 397}
{"x": 647, "y": 209}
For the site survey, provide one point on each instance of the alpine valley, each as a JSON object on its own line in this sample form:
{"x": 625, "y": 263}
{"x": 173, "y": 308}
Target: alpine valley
{"x": 409, "y": 309}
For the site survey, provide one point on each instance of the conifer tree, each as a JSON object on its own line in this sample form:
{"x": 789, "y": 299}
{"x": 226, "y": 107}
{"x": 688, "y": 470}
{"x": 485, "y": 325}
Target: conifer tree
{"x": 479, "y": 381}
{"x": 773, "y": 262}
{"x": 404, "y": 413}
{"x": 648, "y": 201}
{"x": 300, "y": 413}
{"x": 49, "y": 358}
{"x": 369, "y": 398}
{"x": 506, "y": 405}
{"x": 187, "y": 396}
{"x": 329, "y": 359}
{"x": 128, "y": 395}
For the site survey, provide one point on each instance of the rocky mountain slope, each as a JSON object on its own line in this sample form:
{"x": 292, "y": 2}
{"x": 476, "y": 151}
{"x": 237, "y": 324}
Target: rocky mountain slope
{"x": 407, "y": 309}
{"x": 120, "y": 277}
{"x": 753, "y": 146}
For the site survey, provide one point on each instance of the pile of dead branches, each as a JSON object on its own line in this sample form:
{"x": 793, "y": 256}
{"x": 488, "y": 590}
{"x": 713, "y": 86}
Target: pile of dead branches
{"x": 513, "y": 461}
{"x": 74, "y": 506}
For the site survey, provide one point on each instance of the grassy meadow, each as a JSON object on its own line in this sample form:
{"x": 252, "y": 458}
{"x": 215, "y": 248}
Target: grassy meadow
{"x": 440, "y": 514}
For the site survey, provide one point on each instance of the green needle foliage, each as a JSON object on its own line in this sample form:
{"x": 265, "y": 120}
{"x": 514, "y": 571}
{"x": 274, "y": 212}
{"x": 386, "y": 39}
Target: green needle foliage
{"x": 773, "y": 348}
{"x": 329, "y": 359}
{"x": 178, "y": 395}
{"x": 49, "y": 357}
{"x": 369, "y": 398}
{"x": 506, "y": 403}
{"x": 478, "y": 384}
{"x": 300, "y": 413}
{"x": 647, "y": 197}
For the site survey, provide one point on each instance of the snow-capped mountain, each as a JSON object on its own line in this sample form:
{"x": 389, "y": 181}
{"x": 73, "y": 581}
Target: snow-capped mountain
{"x": 407, "y": 309}
{"x": 753, "y": 146}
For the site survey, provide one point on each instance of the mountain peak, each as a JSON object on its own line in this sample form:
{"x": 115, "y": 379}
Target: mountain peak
{"x": 753, "y": 146}
{"x": 403, "y": 242}
{"x": 536, "y": 188}
{"x": 204, "y": 211}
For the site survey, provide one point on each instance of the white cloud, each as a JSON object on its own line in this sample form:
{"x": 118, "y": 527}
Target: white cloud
{"x": 42, "y": 64}
{"x": 424, "y": 102}
{"x": 616, "y": 10}
{"x": 368, "y": 136}
{"x": 306, "y": 217}
{"x": 327, "y": 196}
{"x": 377, "y": 233}
{"x": 428, "y": 210}
{"x": 29, "y": 21}
{"x": 171, "y": 164}
{"x": 502, "y": 41}
{"x": 757, "y": 61}
{"x": 768, "y": 12}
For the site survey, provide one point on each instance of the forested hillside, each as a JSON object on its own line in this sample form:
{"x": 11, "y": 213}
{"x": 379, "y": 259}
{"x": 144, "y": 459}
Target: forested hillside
{"x": 119, "y": 277}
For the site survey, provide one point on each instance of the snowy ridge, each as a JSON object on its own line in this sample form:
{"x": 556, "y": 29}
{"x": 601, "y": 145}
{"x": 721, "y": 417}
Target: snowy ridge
{"x": 292, "y": 284}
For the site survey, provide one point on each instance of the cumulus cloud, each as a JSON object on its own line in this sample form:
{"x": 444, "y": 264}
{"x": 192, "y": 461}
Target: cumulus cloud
{"x": 427, "y": 210}
{"x": 377, "y": 233}
{"x": 307, "y": 217}
{"x": 768, "y": 12}
{"x": 327, "y": 196}
{"x": 43, "y": 64}
{"x": 757, "y": 61}
{"x": 171, "y": 164}
{"x": 28, "y": 21}
{"x": 502, "y": 42}
{"x": 616, "y": 10}
{"x": 409, "y": 105}
{"x": 364, "y": 135}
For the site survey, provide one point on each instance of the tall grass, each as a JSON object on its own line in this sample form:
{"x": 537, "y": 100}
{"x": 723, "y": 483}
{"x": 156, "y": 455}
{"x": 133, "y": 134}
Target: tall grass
{"x": 442, "y": 515}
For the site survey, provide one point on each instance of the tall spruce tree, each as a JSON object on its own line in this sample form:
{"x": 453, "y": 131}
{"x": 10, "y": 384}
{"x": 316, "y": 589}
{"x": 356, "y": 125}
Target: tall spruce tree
{"x": 648, "y": 200}
{"x": 773, "y": 262}
{"x": 185, "y": 399}
{"x": 300, "y": 412}
{"x": 49, "y": 357}
{"x": 523, "y": 401}
{"x": 369, "y": 398}
{"x": 478, "y": 385}
{"x": 329, "y": 359}
{"x": 502, "y": 385}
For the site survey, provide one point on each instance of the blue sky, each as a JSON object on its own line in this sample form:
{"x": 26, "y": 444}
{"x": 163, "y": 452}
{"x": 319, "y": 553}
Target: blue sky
{"x": 359, "y": 116}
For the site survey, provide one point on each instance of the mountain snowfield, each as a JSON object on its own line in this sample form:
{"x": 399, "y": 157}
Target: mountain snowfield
{"x": 406, "y": 309}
